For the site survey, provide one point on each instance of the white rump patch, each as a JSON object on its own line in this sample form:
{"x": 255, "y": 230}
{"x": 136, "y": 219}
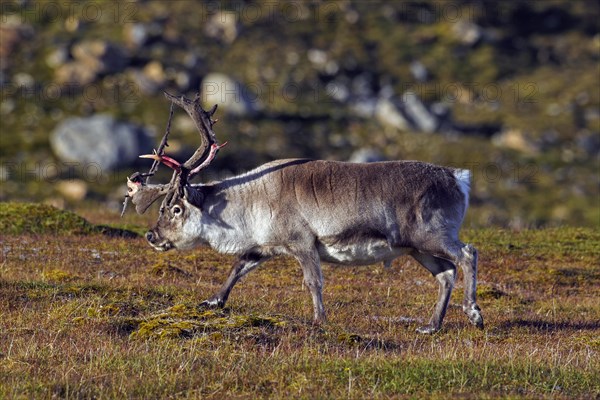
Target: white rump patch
{"x": 463, "y": 177}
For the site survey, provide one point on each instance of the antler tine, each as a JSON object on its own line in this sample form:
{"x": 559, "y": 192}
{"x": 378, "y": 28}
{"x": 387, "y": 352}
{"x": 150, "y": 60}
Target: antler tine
{"x": 204, "y": 123}
{"x": 163, "y": 143}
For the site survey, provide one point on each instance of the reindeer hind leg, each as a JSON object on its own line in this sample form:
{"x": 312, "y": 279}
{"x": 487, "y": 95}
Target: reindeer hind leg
{"x": 445, "y": 273}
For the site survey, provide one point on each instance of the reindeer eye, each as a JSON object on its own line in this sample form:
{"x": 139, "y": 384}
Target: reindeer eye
{"x": 176, "y": 210}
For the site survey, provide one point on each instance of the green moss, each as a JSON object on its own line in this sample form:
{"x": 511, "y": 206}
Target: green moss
{"x": 57, "y": 275}
{"x": 182, "y": 321}
{"x": 18, "y": 218}
{"x": 349, "y": 338}
{"x": 486, "y": 292}
{"x": 164, "y": 268}
{"x": 35, "y": 218}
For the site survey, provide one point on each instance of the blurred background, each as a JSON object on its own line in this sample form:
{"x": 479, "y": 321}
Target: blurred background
{"x": 507, "y": 89}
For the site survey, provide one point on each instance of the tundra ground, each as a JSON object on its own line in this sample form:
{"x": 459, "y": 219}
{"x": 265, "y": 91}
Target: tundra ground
{"x": 84, "y": 315}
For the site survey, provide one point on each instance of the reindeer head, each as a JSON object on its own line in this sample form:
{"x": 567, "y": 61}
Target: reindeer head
{"x": 180, "y": 211}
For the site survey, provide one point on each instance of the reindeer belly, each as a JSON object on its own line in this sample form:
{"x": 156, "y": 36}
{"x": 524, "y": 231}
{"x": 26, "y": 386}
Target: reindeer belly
{"x": 364, "y": 252}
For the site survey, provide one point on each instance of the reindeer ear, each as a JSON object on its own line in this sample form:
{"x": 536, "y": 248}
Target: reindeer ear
{"x": 194, "y": 196}
{"x": 145, "y": 196}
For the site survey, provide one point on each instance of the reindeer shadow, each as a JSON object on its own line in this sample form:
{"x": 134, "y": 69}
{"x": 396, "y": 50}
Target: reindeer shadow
{"x": 549, "y": 326}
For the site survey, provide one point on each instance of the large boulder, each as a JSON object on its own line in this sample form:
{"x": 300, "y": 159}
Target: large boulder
{"x": 99, "y": 140}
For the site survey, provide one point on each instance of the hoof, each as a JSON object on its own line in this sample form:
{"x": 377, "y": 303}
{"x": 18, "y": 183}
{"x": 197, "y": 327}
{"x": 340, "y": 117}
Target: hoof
{"x": 211, "y": 303}
{"x": 478, "y": 321}
{"x": 474, "y": 314}
{"x": 427, "y": 329}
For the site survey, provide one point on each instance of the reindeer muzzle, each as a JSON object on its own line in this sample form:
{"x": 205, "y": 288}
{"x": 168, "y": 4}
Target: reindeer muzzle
{"x": 157, "y": 243}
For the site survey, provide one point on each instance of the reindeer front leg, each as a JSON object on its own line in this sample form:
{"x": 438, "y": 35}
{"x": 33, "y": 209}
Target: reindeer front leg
{"x": 241, "y": 267}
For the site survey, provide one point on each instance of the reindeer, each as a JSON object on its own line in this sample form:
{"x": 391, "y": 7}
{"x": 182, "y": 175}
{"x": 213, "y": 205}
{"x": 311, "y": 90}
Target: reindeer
{"x": 314, "y": 211}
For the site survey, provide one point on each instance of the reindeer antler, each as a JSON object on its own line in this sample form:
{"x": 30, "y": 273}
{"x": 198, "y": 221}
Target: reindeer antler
{"x": 207, "y": 151}
{"x": 143, "y": 194}
{"x": 137, "y": 180}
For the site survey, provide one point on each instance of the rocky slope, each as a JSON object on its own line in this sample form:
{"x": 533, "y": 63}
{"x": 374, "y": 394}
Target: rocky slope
{"x": 507, "y": 89}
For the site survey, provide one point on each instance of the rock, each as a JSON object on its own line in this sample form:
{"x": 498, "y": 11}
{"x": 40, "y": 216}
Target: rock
{"x": 230, "y": 95}
{"x": 424, "y": 120}
{"x": 363, "y": 85}
{"x": 364, "y": 107}
{"x": 99, "y": 140}
{"x": 317, "y": 57}
{"x": 419, "y": 71}
{"x": 588, "y": 142}
{"x": 389, "y": 114}
{"x": 406, "y": 113}
{"x": 73, "y": 189}
{"x": 515, "y": 139}
{"x": 93, "y": 59}
{"x": 155, "y": 72}
{"x": 183, "y": 80}
{"x": 4, "y": 173}
{"x": 135, "y": 35}
{"x": 223, "y": 25}
{"x": 467, "y": 32}
{"x": 24, "y": 80}
{"x": 138, "y": 34}
{"x": 74, "y": 73}
{"x": 12, "y": 31}
{"x": 366, "y": 156}
{"x": 101, "y": 56}
{"x": 57, "y": 57}
{"x": 151, "y": 78}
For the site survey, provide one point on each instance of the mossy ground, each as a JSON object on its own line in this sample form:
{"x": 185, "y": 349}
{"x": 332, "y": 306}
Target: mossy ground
{"x": 89, "y": 316}
{"x": 17, "y": 218}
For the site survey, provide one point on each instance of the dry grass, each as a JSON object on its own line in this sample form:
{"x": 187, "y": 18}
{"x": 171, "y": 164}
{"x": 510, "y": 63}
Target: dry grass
{"x": 92, "y": 316}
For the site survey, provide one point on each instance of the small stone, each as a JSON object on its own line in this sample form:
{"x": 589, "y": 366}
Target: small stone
{"x": 224, "y": 26}
{"x": 155, "y": 72}
{"x": 366, "y": 156}
{"x": 423, "y": 119}
{"x": 467, "y": 32}
{"x": 74, "y": 73}
{"x": 418, "y": 71}
{"x": 101, "y": 56}
{"x": 74, "y": 189}
{"x": 388, "y": 114}
{"x": 57, "y": 57}
{"x": 514, "y": 139}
